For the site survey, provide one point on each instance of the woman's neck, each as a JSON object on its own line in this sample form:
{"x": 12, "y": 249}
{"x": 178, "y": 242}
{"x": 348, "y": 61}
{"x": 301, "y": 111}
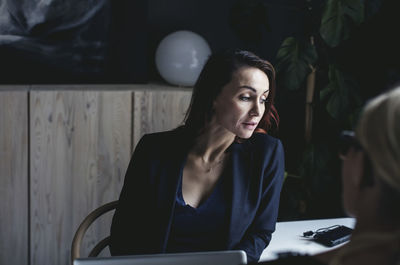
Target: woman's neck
{"x": 212, "y": 143}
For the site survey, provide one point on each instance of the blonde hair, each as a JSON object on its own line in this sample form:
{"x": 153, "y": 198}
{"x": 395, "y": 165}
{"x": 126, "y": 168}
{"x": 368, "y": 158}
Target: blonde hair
{"x": 378, "y": 131}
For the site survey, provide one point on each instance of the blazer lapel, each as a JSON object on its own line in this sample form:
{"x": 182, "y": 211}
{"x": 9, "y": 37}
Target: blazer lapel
{"x": 241, "y": 168}
{"x": 167, "y": 190}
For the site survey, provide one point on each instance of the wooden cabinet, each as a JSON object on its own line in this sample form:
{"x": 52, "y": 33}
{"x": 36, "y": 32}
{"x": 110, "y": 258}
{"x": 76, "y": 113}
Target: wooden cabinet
{"x": 64, "y": 152}
{"x": 156, "y": 111}
{"x": 14, "y": 182}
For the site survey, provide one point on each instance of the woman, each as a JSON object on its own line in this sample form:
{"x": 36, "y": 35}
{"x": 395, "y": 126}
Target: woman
{"x": 214, "y": 183}
{"x": 371, "y": 188}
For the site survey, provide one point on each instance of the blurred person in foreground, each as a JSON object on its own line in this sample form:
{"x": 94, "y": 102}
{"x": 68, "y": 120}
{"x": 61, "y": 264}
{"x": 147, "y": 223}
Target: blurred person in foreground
{"x": 371, "y": 188}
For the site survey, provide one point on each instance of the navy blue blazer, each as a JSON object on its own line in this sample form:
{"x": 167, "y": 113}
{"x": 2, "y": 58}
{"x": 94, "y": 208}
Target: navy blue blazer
{"x": 142, "y": 220}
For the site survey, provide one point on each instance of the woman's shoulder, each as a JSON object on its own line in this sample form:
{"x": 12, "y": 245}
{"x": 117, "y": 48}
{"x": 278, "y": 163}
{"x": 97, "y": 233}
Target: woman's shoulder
{"x": 264, "y": 142}
{"x": 263, "y": 137}
{"x": 164, "y": 135}
{"x": 165, "y": 139}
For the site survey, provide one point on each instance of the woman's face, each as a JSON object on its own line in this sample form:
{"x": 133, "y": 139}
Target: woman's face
{"x": 241, "y": 104}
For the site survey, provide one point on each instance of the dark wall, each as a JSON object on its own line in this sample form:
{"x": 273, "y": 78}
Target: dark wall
{"x": 117, "y": 43}
{"x": 372, "y": 54}
{"x": 222, "y": 23}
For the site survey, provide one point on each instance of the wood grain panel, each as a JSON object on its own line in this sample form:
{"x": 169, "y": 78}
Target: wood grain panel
{"x": 80, "y": 148}
{"x": 14, "y": 178}
{"x": 156, "y": 111}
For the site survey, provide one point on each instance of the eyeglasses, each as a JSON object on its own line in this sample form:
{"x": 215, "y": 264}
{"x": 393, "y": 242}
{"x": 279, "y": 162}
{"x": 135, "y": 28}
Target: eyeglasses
{"x": 348, "y": 140}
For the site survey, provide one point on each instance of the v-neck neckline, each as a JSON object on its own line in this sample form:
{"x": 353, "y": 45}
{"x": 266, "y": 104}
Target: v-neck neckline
{"x": 217, "y": 187}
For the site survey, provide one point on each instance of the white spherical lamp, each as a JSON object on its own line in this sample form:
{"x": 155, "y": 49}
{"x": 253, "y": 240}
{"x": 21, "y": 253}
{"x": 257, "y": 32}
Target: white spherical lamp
{"x": 180, "y": 57}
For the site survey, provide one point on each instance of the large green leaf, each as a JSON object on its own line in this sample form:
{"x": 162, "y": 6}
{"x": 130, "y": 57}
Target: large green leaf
{"x": 340, "y": 93}
{"x": 338, "y": 17}
{"x": 294, "y": 59}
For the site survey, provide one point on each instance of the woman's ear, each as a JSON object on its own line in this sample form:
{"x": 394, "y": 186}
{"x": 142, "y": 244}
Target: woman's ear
{"x": 357, "y": 161}
{"x": 352, "y": 172}
{"x": 360, "y": 158}
{"x": 364, "y": 178}
{"x": 368, "y": 172}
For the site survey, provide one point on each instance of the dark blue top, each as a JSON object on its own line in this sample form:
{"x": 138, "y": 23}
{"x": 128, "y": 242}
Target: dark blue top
{"x": 199, "y": 229}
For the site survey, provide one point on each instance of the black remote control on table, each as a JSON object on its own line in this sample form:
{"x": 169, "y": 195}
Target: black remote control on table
{"x": 334, "y": 236}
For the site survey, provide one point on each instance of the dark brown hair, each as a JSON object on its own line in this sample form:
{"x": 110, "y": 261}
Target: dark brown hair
{"x": 216, "y": 73}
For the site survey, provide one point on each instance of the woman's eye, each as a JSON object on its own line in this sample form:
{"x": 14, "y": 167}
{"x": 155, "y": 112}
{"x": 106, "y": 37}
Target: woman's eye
{"x": 244, "y": 98}
{"x": 263, "y": 100}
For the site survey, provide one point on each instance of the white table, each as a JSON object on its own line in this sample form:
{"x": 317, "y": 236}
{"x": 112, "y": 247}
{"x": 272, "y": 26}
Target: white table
{"x": 288, "y": 236}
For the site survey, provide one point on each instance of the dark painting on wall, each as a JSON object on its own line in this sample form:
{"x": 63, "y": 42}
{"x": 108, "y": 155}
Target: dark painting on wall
{"x": 75, "y": 41}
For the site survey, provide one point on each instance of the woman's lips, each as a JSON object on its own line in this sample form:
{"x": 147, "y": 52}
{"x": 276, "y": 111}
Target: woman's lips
{"x": 250, "y": 125}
